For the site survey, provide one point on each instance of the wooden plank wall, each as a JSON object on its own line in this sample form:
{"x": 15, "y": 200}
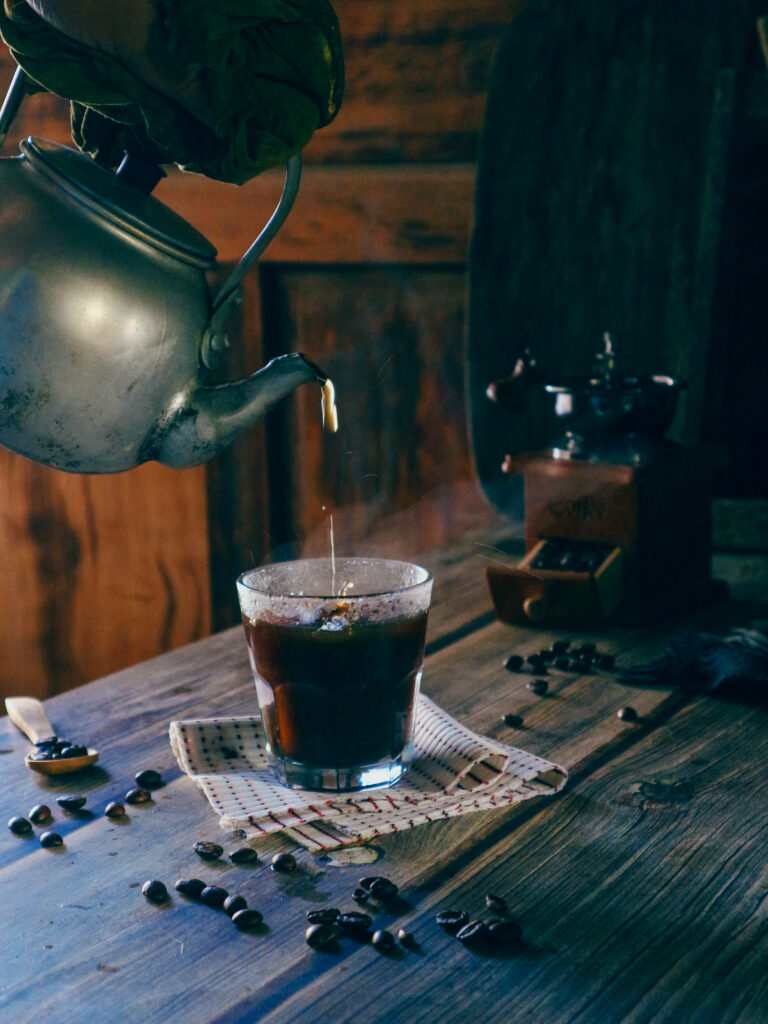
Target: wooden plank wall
{"x": 368, "y": 278}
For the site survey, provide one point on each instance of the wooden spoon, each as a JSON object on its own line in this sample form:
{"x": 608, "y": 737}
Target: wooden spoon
{"x": 29, "y": 715}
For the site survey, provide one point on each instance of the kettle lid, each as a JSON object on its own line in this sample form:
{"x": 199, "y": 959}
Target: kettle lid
{"x": 99, "y": 189}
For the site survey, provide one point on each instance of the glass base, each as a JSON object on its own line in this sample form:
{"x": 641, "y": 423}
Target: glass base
{"x": 339, "y": 780}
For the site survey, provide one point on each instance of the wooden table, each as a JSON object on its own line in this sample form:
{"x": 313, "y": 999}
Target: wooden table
{"x": 642, "y": 889}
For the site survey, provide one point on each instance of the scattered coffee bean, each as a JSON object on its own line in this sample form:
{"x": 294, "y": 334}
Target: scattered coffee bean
{"x": 452, "y": 920}
{"x": 323, "y": 915}
{"x": 561, "y": 646}
{"x": 208, "y": 851}
{"x": 155, "y": 891}
{"x": 284, "y": 862}
{"x": 627, "y": 714}
{"x": 354, "y": 921}
{"x": 361, "y": 895}
{"x": 246, "y": 919}
{"x": 114, "y": 809}
{"x": 148, "y": 779}
{"x": 51, "y": 839}
{"x": 538, "y": 686}
{"x": 496, "y": 903}
{"x": 138, "y": 796}
{"x": 547, "y": 654}
{"x": 383, "y": 940}
{"x": 232, "y": 904}
{"x": 605, "y": 661}
{"x": 562, "y": 663}
{"x": 245, "y": 855}
{"x": 505, "y": 933}
{"x": 513, "y": 663}
{"x": 513, "y": 721}
{"x": 40, "y": 813}
{"x": 319, "y": 935}
{"x": 367, "y": 882}
{"x": 213, "y": 896}
{"x": 191, "y": 887}
{"x": 71, "y": 803}
{"x": 406, "y": 938}
{"x": 20, "y": 826}
{"x": 473, "y": 933}
{"x": 382, "y": 889}
{"x": 582, "y": 667}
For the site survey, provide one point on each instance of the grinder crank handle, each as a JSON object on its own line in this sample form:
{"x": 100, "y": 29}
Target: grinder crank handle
{"x": 28, "y": 714}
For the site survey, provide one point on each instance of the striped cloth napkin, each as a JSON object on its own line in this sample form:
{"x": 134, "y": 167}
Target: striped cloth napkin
{"x": 454, "y": 771}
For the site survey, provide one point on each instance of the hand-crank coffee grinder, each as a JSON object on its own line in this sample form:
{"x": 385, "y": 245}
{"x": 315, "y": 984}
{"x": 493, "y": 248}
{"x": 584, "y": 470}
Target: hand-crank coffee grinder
{"x": 617, "y": 518}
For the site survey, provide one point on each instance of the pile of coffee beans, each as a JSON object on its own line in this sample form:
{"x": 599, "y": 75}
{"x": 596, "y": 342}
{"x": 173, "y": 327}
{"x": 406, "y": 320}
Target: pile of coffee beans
{"x": 563, "y": 655}
{"x": 54, "y": 748}
{"x": 327, "y": 925}
{"x": 499, "y": 931}
{"x": 243, "y": 917}
{"x": 40, "y": 814}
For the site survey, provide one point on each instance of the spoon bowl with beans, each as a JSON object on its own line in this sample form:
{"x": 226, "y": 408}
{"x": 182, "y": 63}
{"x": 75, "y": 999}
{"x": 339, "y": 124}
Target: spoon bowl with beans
{"x": 51, "y": 755}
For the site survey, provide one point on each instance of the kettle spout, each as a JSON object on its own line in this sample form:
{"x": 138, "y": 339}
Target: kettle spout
{"x": 202, "y": 421}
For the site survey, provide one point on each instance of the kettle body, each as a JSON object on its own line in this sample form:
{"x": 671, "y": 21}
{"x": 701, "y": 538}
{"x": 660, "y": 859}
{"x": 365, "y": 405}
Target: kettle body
{"x": 107, "y": 324}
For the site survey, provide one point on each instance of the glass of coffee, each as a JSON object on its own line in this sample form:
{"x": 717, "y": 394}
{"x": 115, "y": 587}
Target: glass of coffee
{"x": 336, "y": 647}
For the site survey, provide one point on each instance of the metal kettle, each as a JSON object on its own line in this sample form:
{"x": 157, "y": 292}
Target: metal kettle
{"x": 107, "y": 325}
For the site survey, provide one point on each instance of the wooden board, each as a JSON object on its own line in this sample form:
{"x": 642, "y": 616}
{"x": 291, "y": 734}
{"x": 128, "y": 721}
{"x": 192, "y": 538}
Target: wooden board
{"x": 629, "y": 878}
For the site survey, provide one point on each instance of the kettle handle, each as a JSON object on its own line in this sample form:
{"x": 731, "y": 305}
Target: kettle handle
{"x": 229, "y": 292}
{"x": 10, "y": 108}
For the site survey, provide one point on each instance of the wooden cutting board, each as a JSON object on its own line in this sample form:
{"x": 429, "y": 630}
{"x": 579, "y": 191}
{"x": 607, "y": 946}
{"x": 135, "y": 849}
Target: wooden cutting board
{"x": 601, "y": 172}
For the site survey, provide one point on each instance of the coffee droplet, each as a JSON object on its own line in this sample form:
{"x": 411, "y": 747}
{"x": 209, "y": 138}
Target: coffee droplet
{"x": 330, "y": 415}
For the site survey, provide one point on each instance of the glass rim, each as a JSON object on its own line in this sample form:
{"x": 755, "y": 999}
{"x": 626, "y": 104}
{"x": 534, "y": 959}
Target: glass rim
{"x": 341, "y": 560}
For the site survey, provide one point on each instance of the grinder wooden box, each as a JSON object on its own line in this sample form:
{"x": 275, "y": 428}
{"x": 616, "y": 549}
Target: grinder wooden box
{"x": 658, "y": 513}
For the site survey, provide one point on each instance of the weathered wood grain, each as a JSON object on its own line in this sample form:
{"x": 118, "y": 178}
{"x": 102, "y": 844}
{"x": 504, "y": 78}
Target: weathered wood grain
{"x": 634, "y": 864}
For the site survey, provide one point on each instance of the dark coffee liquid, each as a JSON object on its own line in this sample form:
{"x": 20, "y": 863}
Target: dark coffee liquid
{"x": 338, "y": 698}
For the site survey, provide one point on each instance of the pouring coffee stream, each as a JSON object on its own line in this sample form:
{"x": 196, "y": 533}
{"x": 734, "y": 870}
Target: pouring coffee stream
{"x": 107, "y": 326}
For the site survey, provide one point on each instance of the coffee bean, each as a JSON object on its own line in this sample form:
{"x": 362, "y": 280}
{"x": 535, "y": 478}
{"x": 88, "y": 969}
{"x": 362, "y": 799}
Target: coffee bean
{"x": 497, "y": 904}
{"x": 319, "y": 935}
{"x": 513, "y": 663}
{"x": 562, "y": 663}
{"x": 473, "y": 933}
{"x": 547, "y": 654}
{"x": 191, "y": 887}
{"x": 383, "y": 940}
{"x": 384, "y": 890}
{"x": 452, "y": 920}
{"x": 208, "y": 851}
{"x": 504, "y": 933}
{"x": 538, "y": 686}
{"x": 367, "y": 882}
{"x": 155, "y": 891}
{"x": 582, "y": 667}
{"x": 406, "y": 938}
{"x": 51, "y": 839}
{"x": 323, "y": 915}
{"x": 40, "y": 813}
{"x": 513, "y": 721}
{"x": 284, "y": 862}
{"x": 232, "y": 904}
{"x": 20, "y": 826}
{"x": 245, "y": 920}
{"x": 588, "y": 648}
{"x": 354, "y": 921}
{"x": 245, "y": 855}
{"x": 71, "y": 803}
{"x": 148, "y": 778}
{"x": 627, "y": 714}
{"x": 114, "y": 809}
{"x": 47, "y": 742}
{"x": 561, "y": 646}
{"x": 213, "y": 896}
{"x": 361, "y": 895}
{"x": 75, "y": 750}
{"x": 605, "y": 661}
{"x": 138, "y": 796}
